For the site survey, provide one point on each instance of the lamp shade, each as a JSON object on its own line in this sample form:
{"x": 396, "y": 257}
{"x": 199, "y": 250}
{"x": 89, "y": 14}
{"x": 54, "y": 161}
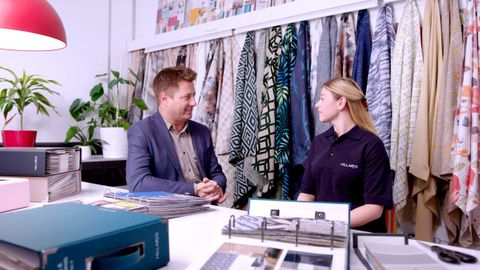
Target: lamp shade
{"x": 30, "y": 25}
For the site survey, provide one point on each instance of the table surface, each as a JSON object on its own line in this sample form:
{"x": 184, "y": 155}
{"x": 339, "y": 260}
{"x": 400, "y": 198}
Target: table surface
{"x": 195, "y": 237}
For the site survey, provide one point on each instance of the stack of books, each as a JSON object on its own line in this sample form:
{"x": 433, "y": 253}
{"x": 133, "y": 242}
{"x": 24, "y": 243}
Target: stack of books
{"x": 53, "y": 173}
{"x": 164, "y": 204}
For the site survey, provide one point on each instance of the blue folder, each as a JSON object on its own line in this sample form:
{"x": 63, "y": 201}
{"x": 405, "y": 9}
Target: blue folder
{"x": 76, "y": 236}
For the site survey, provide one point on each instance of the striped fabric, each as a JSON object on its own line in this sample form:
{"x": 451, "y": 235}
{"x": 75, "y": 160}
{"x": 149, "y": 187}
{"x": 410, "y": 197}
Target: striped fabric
{"x": 326, "y": 56}
{"x": 282, "y": 126}
{"x": 245, "y": 123}
{"x": 406, "y": 74}
{"x": 378, "y": 92}
{"x": 264, "y": 161}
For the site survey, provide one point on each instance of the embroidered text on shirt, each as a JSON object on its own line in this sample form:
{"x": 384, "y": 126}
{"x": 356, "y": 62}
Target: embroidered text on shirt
{"x": 351, "y": 166}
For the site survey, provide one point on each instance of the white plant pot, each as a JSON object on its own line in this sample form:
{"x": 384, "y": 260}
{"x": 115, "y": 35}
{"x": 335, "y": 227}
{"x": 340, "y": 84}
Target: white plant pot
{"x": 86, "y": 152}
{"x": 114, "y": 142}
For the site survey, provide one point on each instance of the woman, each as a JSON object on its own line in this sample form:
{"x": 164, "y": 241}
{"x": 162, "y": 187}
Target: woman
{"x": 348, "y": 162}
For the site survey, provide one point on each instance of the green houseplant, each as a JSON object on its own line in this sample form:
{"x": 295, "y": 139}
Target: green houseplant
{"x": 111, "y": 113}
{"x": 85, "y": 137}
{"x": 20, "y": 92}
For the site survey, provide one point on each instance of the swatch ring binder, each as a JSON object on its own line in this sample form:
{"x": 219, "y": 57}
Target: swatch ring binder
{"x": 232, "y": 219}
{"x": 264, "y": 227}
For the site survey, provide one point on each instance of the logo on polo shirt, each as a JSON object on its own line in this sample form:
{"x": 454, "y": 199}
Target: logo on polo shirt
{"x": 349, "y": 165}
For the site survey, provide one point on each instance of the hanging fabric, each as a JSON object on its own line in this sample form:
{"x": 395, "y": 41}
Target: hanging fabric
{"x": 363, "y": 42}
{"x": 464, "y": 184}
{"x": 154, "y": 63}
{"x": 326, "y": 56}
{"x": 207, "y": 105}
{"x": 138, "y": 62}
{"x": 425, "y": 186}
{"x": 450, "y": 81}
{"x": 345, "y": 46}
{"x": 406, "y": 75}
{"x": 301, "y": 121}
{"x": 315, "y": 32}
{"x": 224, "y": 115}
{"x": 282, "y": 124}
{"x": 260, "y": 56}
{"x": 378, "y": 92}
{"x": 264, "y": 161}
{"x": 446, "y": 105}
{"x": 245, "y": 123}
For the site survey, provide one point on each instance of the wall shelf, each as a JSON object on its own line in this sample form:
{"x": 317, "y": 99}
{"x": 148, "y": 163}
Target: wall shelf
{"x": 264, "y": 18}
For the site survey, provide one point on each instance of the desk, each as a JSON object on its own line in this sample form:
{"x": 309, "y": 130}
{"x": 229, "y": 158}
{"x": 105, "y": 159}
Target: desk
{"x": 197, "y": 236}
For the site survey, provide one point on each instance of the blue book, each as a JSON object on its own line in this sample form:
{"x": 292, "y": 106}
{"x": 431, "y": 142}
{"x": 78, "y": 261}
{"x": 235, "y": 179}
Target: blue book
{"x": 76, "y": 236}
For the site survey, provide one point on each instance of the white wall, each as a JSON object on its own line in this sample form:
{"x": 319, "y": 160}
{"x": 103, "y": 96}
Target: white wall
{"x": 87, "y": 53}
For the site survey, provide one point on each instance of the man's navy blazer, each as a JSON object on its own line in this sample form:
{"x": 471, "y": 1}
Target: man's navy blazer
{"x": 153, "y": 165}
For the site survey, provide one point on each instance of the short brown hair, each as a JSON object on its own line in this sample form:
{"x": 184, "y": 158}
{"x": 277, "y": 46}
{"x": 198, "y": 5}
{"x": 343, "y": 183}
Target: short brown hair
{"x": 167, "y": 79}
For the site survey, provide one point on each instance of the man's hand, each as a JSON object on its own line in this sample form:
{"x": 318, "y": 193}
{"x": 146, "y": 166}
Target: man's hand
{"x": 211, "y": 190}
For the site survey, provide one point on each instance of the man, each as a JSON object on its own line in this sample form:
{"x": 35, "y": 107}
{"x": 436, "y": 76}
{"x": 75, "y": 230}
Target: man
{"x": 169, "y": 152}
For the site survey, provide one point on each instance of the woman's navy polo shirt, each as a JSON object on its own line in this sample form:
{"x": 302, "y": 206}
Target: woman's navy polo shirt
{"x": 353, "y": 168}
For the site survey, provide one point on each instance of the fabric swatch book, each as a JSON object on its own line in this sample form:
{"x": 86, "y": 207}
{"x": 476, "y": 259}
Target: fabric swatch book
{"x": 75, "y": 236}
{"x": 164, "y": 204}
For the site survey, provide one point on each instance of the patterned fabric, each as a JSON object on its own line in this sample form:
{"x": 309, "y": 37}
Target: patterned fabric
{"x": 450, "y": 80}
{"x": 378, "y": 92}
{"x": 326, "y": 56}
{"x": 154, "y": 63}
{"x": 207, "y": 105}
{"x": 264, "y": 161}
{"x": 464, "y": 184}
{"x": 407, "y": 66}
{"x": 138, "y": 60}
{"x": 345, "y": 47}
{"x": 224, "y": 116}
{"x": 282, "y": 97}
{"x": 300, "y": 116}
{"x": 361, "y": 62}
{"x": 245, "y": 123}
{"x": 260, "y": 56}
{"x": 425, "y": 186}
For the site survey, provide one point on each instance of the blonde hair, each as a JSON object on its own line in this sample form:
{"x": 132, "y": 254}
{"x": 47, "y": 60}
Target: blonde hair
{"x": 356, "y": 103}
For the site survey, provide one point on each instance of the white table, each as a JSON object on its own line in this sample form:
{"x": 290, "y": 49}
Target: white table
{"x": 197, "y": 236}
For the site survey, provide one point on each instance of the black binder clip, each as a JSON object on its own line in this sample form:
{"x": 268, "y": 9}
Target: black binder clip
{"x": 264, "y": 227}
{"x": 332, "y": 228}
{"x": 297, "y": 228}
{"x": 274, "y": 212}
{"x": 230, "y": 221}
{"x": 319, "y": 215}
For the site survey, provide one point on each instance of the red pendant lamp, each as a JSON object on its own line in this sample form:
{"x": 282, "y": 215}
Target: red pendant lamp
{"x": 30, "y": 25}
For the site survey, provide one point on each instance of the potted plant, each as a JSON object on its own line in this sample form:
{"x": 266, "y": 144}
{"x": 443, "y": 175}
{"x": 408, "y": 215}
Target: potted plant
{"x": 106, "y": 102}
{"x": 87, "y": 143}
{"x": 19, "y": 93}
